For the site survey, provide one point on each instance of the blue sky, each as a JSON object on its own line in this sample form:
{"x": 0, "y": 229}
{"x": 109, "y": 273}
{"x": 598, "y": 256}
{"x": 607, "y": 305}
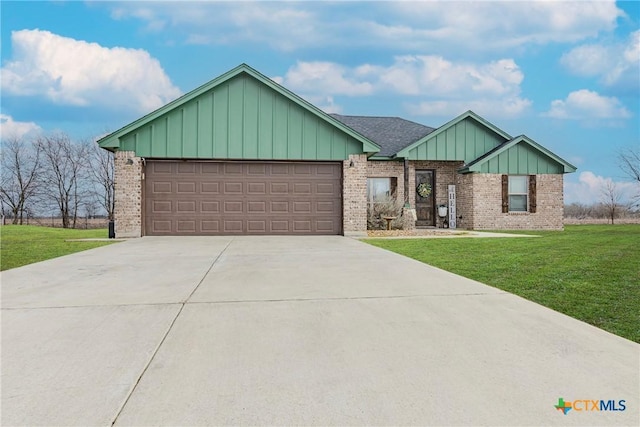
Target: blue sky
{"x": 566, "y": 74}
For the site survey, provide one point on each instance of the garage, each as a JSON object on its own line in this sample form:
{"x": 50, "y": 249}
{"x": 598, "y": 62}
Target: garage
{"x": 239, "y": 155}
{"x": 235, "y": 197}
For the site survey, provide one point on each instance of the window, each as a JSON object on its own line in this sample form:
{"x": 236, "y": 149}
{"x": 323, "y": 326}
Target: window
{"x": 379, "y": 188}
{"x": 518, "y": 193}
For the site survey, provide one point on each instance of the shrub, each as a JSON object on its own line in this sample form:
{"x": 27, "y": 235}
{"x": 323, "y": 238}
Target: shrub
{"x": 384, "y": 206}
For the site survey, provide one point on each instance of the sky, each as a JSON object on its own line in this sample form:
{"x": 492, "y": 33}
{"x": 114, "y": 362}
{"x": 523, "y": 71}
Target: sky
{"x": 566, "y": 74}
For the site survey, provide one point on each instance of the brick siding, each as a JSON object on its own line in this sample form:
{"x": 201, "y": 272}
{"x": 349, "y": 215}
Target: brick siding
{"x": 354, "y": 195}
{"x": 487, "y": 205}
{"x": 128, "y": 195}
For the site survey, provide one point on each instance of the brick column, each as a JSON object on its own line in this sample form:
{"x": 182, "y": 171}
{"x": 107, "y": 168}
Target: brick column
{"x": 354, "y": 196}
{"x": 128, "y": 194}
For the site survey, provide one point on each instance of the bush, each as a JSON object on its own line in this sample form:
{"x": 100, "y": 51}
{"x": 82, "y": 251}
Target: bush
{"x": 384, "y": 206}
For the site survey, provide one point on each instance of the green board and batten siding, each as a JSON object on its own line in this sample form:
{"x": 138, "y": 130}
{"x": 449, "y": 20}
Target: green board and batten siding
{"x": 240, "y": 118}
{"x": 521, "y": 159}
{"x": 485, "y": 149}
{"x": 466, "y": 140}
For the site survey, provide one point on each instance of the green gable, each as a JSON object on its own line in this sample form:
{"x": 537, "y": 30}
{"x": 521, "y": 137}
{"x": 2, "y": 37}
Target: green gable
{"x": 465, "y": 138}
{"x": 240, "y": 115}
{"x": 520, "y": 156}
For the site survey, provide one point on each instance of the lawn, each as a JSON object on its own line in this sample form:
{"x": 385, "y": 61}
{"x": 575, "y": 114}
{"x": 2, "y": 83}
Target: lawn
{"x": 590, "y": 272}
{"x": 26, "y": 244}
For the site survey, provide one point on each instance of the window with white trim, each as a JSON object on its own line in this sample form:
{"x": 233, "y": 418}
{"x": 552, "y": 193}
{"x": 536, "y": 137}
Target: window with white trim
{"x": 518, "y": 193}
{"x": 380, "y": 188}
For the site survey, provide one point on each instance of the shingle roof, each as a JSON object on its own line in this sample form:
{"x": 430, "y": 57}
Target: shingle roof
{"x": 392, "y": 134}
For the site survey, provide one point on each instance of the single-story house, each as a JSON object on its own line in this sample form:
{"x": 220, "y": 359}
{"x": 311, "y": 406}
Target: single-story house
{"x": 244, "y": 155}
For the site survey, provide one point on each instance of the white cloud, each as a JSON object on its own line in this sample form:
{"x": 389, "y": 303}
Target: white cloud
{"x": 585, "y": 104}
{"x": 490, "y": 25}
{"x": 402, "y": 26}
{"x": 617, "y": 65}
{"x": 432, "y": 85}
{"x": 9, "y": 128}
{"x": 324, "y": 77}
{"x": 589, "y": 188}
{"x": 75, "y": 72}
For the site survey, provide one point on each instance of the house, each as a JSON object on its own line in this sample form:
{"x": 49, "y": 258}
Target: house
{"x": 244, "y": 155}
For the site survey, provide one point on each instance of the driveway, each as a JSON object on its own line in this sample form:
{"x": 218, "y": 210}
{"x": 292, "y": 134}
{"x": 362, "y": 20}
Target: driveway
{"x": 291, "y": 330}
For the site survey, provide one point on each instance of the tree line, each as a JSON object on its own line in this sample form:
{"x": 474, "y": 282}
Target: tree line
{"x": 55, "y": 175}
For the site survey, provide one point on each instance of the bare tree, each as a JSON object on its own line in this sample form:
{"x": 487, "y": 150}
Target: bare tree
{"x": 610, "y": 198}
{"x": 65, "y": 175}
{"x": 629, "y": 162}
{"x": 21, "y": 167}
{"x": 103, "y": 177}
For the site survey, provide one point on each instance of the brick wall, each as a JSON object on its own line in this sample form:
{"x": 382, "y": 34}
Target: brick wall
{"x": 354, "y": 195}
{"x": 128, "y": 195}
{"x": 380, "y": 169}
{"x": 464, "y": 201}
{"x": 445, "y": 175}
{"x": 487, "y": 205}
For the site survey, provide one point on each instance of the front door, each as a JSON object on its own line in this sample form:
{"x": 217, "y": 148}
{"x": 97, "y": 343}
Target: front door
{"x": 425, "y": 198}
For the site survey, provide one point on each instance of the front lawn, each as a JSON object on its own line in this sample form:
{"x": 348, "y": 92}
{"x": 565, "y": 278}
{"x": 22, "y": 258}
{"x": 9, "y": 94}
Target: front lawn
{"x": 25, "y": 244}
{"x": 590, "y": 272}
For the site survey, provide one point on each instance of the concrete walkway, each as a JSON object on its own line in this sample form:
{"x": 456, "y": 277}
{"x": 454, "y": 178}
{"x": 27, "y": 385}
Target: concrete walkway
{"x": 291, "y": 330}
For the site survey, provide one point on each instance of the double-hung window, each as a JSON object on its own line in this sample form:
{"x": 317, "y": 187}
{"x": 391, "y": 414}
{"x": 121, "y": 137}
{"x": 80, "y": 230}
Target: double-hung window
{"x": 518, "y": 193}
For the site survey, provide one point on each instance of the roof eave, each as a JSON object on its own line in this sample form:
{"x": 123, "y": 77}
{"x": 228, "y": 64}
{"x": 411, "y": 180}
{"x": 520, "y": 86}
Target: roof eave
{"x": 113, "y": 140}
{"x": 475, "y": 165}
{"x": 468, "y": 114}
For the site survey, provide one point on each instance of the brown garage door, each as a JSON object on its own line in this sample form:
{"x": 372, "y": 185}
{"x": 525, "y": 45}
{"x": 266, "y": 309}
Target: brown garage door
{"x": 211, "y": 198}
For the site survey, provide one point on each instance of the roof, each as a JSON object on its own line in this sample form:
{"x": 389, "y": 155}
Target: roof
{"x": 392, "y": 134}
{"x": 112, "y": 141}
{"x": 404, "y": 152}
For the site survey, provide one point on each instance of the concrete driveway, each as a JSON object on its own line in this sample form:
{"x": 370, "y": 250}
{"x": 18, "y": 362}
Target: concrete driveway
{"x": 292, "y": 330}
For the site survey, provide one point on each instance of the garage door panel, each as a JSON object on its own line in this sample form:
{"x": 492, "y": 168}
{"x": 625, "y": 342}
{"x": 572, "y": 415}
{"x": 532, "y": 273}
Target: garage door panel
{"x": 161, "y": 206}
{"x": 186, "y": 226}
{"x": 257, "y": 207}
{"x": 256, "y": 188}
{"x": 233, "y": 226}
{"x": 210, "y": 226}
{"x": 186, "y": 187}
{"x": 161, "y": 187}
{"x": 210, "y": 187}
{"x": 279, "y": 207}
{"x": 233, "y": 207}
{"x": 210, "y": 207}
{"x": 233, "y": 187}
{"x": 201, "y": 198}
{"x": 188, "y": 207}
{"x": 302, "y": 188}
{"x": 279, "y": 187}
{"x": 187, "y": 168}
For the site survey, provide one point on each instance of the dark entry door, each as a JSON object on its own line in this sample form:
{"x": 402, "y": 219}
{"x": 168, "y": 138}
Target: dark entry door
{"x": 425, "y": 198}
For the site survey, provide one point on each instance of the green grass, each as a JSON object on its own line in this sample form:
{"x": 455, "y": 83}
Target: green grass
{"x": 590, "y": 272}
{"x": 25, "y": 244}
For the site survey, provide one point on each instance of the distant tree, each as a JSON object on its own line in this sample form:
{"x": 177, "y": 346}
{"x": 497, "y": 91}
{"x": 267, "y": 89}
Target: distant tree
{"x": 610, "y": 198}
{"x": 102, "y": 174}
{"x": 65, "y": 168}
{"x": 629, "y": 162}
{"x": 19, "y": 177}
{"x": 578, "y": 210}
